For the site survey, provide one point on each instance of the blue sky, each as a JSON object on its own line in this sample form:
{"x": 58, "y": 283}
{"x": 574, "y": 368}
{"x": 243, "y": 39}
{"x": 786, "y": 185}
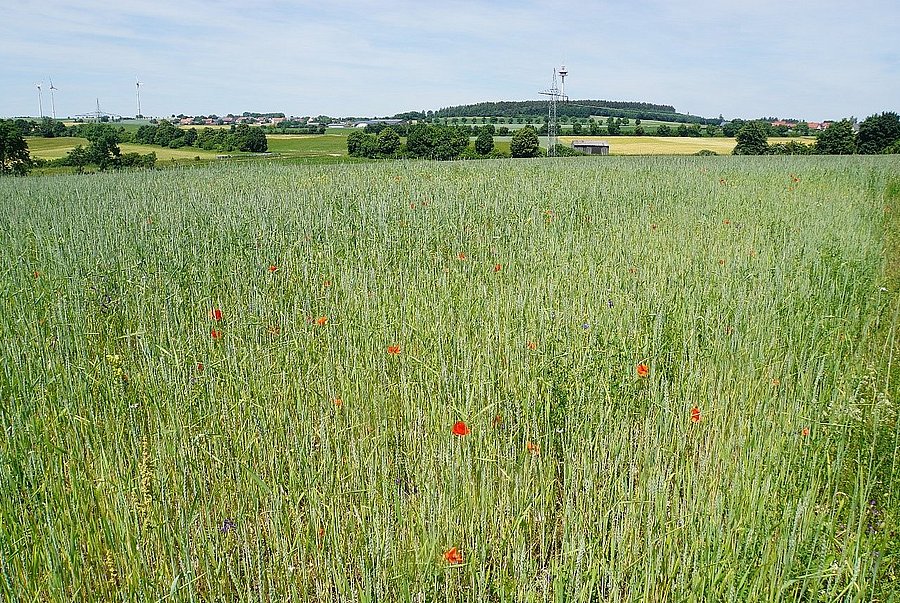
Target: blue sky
{"x": 811, "y": 60}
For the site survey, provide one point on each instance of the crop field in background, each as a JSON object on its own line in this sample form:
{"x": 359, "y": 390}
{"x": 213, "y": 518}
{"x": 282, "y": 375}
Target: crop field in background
{"x": 54, "y": 148}
{"x": 317, "y": 145}
{"x": 333, "y": 146}
{"x": 665, "y": 145}
{"x": 627, "y": 379}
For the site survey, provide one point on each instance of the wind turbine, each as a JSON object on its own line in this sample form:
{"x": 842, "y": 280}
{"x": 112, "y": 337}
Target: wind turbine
{"x": 40, "y": 100}
{"x": 137, "y": 85}
{"x": 52, "y": 101}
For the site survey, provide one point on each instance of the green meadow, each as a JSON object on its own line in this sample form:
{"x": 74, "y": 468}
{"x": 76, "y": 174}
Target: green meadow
{"x": 579, "y": 379}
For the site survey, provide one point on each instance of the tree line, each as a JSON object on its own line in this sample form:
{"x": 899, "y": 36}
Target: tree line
{"x": 572, "y": 108}
{"x": 442, "y": 143}
{"x": 877, "y": 134}
{"x": 241, "y": 137}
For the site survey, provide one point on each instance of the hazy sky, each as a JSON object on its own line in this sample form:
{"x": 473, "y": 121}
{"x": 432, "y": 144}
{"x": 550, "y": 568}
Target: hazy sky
{"x": 806, "y": 59}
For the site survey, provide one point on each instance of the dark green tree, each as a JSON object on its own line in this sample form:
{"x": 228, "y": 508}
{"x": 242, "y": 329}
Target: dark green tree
{"x": 733, "y": 127}
{"x": 50, "y": 128}
{"x": 360, "y": 144}
{"x": 484, "y": 144}
{"x": 190, "y": 137}
{"x": 388, "y": 142}
{"x": 165, "y": 133}
{"x": 77, "y": 158}
{"x": 252, "y": 140}
{"x": 663, "y": 130}
{"x": 14, "y": 155}
{"x": 525, "y": 143}
{"x": 25, "y": 126}
{"x": 878, "y": 132}
{"x": 791, "y": 147}
{"x": 752, "y": 139}
{"x": 837, "y": 139}
{"x": 436, "y": 141}
{"x": 103, "y": 145}
{"x": 612, "y": 126}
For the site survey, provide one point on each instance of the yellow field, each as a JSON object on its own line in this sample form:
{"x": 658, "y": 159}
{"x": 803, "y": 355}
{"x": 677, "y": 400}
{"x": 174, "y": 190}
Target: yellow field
{"x": 664, "y": 145}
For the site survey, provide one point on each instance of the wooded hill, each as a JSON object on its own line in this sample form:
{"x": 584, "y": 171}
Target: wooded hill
{"x": 570, "y": 108}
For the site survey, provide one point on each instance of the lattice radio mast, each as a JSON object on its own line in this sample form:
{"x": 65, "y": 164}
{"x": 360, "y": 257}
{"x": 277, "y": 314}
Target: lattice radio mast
{"x": 556, "y": 94}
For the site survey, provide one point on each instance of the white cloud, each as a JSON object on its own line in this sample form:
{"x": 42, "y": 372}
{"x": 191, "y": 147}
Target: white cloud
{"x": 806, "y": 59}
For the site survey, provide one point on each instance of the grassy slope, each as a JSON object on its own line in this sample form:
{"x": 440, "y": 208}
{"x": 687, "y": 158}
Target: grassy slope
{"x": 53, "y": 148}
{"x": 289, "y": 145}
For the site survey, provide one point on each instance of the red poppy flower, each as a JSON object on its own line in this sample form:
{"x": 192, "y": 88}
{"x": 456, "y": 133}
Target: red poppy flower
{"x": 215, "y": 314}
{"x": 643, "y": 370}
{"x": 497, "y": 267}
{"x": 532, "y": 345}
{"x": 805, "y": 431}
{"x": 497, "y": 420}
{"x": 460, "y": 256}
{"x": 322, "y": 321}
{"x": 726, "y": 221}
{"x": 199, "y": 367}
{"x": 216, "y": 334}
{"x": 37, "y": 274}
{"x": 453, "y": 556}
{"x": 273, "y": 268}
{"x": 695, "y": 415}
{"x": 393, "y": 350}
{"x": 338, "y": 402}
{"x": 532, "y": 448}
{"x": 326, "y": 284}
{"x": 460, "y": 429}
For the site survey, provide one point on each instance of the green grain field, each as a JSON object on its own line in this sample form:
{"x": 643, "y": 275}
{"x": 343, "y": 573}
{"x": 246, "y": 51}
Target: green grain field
{"x": 580, "y": 379}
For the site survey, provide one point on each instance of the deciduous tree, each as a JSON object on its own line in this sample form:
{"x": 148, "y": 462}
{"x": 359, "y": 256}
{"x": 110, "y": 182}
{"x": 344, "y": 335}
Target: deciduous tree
{"x": 388, "y": 142}
{"x": 525, "y": 143}
{"x": 837, "y": 139}
{"x": 752, "y": 139}
{"x": 878, "y": 132}
{"x": 484, "y": 144}
{"x": 14, "y": 155}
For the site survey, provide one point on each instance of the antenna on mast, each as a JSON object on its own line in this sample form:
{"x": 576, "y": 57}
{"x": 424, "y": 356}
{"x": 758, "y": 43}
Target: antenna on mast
{"x": 52, "y": 101}
{"x": 563, "y": 72}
